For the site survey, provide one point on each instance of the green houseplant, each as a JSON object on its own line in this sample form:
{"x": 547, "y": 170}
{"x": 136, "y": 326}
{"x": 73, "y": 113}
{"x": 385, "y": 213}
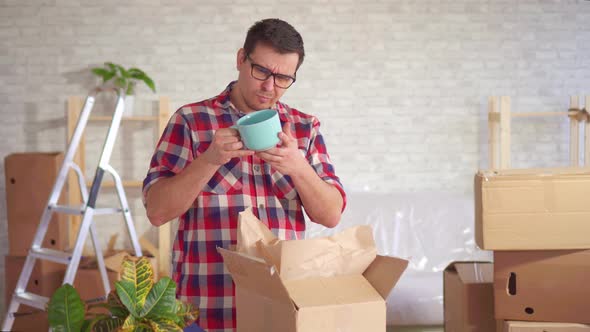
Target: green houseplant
{"x": 126, "y": 79}
{"x": 123, "y": 78}
{"x": 137, "y": 304}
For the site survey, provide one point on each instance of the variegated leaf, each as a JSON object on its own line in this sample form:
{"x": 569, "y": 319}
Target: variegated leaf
{"x": 140, "y": 274}
{"x": 105, "y": 323}
{"x": 186, "y": 313}
{"x": 164, "y": 325}
{"x": 115, "y": 305}
{"x": 161, "y": 301}
{"x": 126, "y": 293}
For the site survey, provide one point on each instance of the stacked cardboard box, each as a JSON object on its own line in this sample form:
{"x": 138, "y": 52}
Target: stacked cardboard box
{"x": 469, "y": 297}
{"x": 29, "y": 180}
{"x": 537, "y": 223}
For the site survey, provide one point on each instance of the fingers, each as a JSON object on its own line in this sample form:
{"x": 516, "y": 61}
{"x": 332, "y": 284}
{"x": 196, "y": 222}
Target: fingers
{"x": 227, "y": 132}
{"x": 234, "y": 145}
{"x": 240, "y": 153}
{"x": 271, "y": 157}
{"x": 287, "y": 129}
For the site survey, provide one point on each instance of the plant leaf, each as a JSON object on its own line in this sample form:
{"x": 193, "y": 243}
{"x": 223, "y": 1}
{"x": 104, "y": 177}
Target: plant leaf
{"x": 164, "y": 325}
{"x": 101, "y": 72}
{"x": 161, "y": 301}
{"x": 121, "y": 82}
{"x": 126, "y": 293}
{"x": 66, "y": 310}
{"x": 122, "y": 71}
{"x": 104, "y": 323}
{"x": 129, "y": 324}
{"x": 141, "y": 275}
{"x": 148, "y": 81}
{"x": 116, "y": 307}
{"x": 111, "y": 66}
{"x": 186, "y": 314}
{"x": 139, "y": 74}
{"x": 136, "y": 73}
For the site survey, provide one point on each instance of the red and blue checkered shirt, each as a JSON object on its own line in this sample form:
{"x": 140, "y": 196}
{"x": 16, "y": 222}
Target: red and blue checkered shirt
{"x": 212, "y": 219}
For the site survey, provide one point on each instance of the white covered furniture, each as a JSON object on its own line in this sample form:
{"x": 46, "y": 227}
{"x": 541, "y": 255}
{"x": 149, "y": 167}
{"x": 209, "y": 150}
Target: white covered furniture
{"x": 430, "y": 230}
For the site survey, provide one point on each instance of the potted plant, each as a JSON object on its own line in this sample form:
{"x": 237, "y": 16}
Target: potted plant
{"x": 126, "y": 79}
{"x": 137, "y": 304}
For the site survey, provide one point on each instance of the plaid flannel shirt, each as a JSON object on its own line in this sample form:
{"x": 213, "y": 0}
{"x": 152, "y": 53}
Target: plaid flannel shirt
{"x": 211, "y": 221}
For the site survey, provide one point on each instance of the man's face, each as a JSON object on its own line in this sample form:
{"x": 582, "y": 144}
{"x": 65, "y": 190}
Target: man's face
{"x": 258, "y": 94}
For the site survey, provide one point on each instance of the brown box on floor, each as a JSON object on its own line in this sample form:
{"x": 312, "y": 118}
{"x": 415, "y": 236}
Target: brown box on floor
{"x": 45, "y": 279}
{"x": 532, "y": 209}
{"x": 542, "y": 286}
{"x": 514, "y": 326}
{"x": 468, "y": 297}
{"x": 88, "y": 281}
{"x": 323, "y": 284}
{"x": 29, "y": 180}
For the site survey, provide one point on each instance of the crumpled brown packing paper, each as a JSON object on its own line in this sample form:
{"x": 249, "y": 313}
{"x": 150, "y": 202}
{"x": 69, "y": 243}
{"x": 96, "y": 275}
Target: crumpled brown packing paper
{"x": 348, "y": 252}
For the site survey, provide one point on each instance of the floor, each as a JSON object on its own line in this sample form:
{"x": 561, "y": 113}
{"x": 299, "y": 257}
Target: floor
{"x": 415, "y": 329}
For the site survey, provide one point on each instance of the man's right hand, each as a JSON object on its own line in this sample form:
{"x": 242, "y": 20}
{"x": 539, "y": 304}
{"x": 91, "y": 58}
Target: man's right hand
{"x": 226, "y": 145}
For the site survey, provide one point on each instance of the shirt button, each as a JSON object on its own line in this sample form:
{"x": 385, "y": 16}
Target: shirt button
{"x": 256, "y": 168}
{"x": 261, "y": 206}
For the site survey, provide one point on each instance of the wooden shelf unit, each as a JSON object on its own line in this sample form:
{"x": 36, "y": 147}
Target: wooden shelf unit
{"x": 499, "y": 129}
{"x": 74, "y": 108}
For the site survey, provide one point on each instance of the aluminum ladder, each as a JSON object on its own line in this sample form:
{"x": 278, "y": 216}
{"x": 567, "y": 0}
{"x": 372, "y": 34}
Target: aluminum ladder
{"x": 87, "y": 210}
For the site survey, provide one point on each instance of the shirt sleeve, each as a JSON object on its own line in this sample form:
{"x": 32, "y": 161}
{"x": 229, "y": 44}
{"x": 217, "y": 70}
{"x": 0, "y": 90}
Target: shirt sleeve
{"x": 317, "y": 156}
{"x": 173, "y": 152}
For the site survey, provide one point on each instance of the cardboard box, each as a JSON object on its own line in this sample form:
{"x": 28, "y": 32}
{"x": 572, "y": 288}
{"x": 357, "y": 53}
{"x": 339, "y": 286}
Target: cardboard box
{"x": 542, "y": 286}
{"x": 29, "y": 180}
{"x": 89, "y": 285}
{"x": 309, "y": 285}
{"x": 532, "y": 209}
{"x": 512, "y": 326}
{"x": 88, "y": 281}
{"x": 45, "y": 279}
{"x": 469, "y": 297}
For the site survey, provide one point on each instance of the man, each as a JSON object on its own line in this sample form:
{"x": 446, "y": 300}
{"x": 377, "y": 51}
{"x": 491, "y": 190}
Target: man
{"x": 202, "y": 173}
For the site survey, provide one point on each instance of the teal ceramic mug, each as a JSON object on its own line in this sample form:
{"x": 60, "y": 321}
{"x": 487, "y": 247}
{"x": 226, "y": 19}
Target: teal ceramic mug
{"x": 259, "y": 130}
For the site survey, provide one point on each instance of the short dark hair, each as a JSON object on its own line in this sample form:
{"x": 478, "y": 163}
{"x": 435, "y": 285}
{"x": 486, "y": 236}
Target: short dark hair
{"x": 276, "y": 33}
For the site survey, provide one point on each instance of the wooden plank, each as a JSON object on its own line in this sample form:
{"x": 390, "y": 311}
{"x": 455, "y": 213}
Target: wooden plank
{"x": 505, "y": 121}
{"x": 164, "y": 231}
{"x": 125, "y": 118}
{"x": 587, "y": 134}
{"x": 126, "y": 183}
{"x": 74, "y": 108}
{"x": 574, "y": 134}
{"x": 538, "y": 114}
{"x": 493, "y": 126}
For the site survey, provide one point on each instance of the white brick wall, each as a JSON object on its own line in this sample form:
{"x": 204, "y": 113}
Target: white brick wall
{"x": 400, "y": 86}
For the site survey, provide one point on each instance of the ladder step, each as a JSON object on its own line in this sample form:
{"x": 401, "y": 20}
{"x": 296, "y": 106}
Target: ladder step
{"x": 51, "y": 255}
{"x": 32, "y": 300}
{"x": 68, "y": 209}
{"x": 107, "y": 211}
{"x": 79, "y": 209}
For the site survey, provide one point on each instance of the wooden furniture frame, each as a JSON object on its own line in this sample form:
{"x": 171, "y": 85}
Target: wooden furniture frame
{"x": 499, "y": 128}
{"x": 74, "y": 107}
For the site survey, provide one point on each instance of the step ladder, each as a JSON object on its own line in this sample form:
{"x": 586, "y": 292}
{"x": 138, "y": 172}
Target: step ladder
{"x": 87, "y": 210}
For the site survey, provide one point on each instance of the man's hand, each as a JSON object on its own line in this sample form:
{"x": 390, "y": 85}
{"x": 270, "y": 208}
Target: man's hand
{"x": 285, "y": 158}
{"x": 226, "y": 145}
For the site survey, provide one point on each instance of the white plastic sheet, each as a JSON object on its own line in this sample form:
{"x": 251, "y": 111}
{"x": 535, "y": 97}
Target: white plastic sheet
{"x": 430, "y": 230}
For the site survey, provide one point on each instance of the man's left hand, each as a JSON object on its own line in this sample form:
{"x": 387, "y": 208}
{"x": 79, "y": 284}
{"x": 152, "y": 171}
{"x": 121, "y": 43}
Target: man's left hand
{"x": 285, "y": 157}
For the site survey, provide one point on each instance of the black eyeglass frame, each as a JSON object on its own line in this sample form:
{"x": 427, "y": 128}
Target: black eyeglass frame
{"x": 269, "y": 73}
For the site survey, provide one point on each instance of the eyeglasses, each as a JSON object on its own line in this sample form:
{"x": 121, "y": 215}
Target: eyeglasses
{"x": 262, "y": 74}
